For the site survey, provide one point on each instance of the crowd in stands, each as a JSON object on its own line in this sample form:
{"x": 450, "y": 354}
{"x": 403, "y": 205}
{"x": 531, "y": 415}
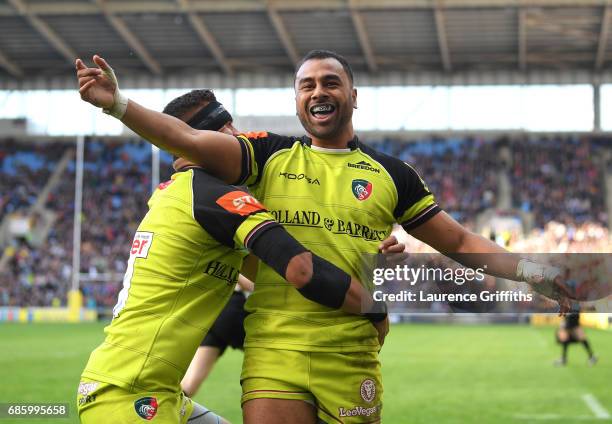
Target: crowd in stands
{"x": 462, "y": 173}
{"x": 558, "y": 181}
{"x": 23, "y": 168}
{"x": 555, "y": 237}
{"x": 116, "y": 186}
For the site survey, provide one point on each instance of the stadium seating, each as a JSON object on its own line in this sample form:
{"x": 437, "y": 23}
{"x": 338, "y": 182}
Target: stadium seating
{"x": 557, "y": 180}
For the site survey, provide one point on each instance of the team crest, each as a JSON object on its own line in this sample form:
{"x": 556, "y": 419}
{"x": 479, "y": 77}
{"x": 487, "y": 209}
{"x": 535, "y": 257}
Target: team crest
{"x": 368, "y": 390}
{"x": 362, "y": 189}
{"x": 146, "y": 407}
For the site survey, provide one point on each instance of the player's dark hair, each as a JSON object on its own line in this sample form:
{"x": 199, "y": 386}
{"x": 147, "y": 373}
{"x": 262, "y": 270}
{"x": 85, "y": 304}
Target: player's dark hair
{"x": 188, "y": 101}
{"x": 327, "y": 54}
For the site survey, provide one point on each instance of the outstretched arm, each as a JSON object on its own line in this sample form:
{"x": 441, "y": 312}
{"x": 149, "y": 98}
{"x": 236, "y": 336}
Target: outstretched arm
{"x": 449, "y": 237}
{"x": 218, "y": 153}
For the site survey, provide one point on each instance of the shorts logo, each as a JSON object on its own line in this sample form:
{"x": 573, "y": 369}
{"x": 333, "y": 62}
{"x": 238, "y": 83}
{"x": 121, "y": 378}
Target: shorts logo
{"x": 146, "y": 407}
{"x": 84, "y": 400}
{"x": 86, "y": 388}
{"x": 240, "y": 203}
{"x": 368, "y": 390}
{"x": 358, "y": 411}
{"x": 362, "y": 189}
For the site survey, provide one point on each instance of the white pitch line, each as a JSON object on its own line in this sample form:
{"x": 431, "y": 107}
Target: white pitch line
{"x": 596, "y": 407}
{"x": 553, "y": 417}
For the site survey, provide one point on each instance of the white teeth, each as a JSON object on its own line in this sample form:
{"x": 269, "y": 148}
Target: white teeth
{"x": 322, "y": 108}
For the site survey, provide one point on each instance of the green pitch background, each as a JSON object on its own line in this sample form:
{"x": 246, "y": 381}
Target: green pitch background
{"x": 432, "y": 374}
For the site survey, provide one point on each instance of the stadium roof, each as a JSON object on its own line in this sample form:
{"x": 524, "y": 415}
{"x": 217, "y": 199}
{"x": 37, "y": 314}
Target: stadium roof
{"x": 569, "y": 41}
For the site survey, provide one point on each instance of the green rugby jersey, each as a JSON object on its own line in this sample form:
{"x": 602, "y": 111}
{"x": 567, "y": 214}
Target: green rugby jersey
{"x": 183, "y": 266}
{"x": 339, "y": 203}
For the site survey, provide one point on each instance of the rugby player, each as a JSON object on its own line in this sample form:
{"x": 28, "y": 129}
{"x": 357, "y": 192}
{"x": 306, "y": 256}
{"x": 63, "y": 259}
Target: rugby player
{"x": 570, "y": 332}
{"x": 228, "y": 329}
{"x": 183, "y": 266}
{"x": 338, "y": 197}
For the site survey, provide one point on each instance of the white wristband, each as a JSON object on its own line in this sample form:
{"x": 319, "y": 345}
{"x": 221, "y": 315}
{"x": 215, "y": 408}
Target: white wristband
{"x": 532, "y": 272}
{"x": 119, "y": 106}
{"x": 120, "y": 100}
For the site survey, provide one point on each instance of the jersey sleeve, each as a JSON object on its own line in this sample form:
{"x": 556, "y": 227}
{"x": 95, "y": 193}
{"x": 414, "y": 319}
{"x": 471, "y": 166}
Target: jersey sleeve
{"x": 416, "y": 204}
{"x": 231, "y": 215}
{"x": 257, "y": 148}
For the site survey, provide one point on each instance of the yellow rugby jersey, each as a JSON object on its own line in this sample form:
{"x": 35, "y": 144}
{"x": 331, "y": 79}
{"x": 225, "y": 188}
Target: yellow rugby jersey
{"x": 183, "y": 266}
{"x": 339, "y": 203}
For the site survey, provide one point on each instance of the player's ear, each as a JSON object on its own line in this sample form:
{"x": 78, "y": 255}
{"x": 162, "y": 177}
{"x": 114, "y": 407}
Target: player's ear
{"x": 354, "y": 97}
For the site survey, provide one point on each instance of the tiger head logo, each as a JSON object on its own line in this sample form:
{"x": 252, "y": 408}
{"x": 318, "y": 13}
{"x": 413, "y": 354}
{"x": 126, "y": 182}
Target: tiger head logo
{"x": 368, "y": 390}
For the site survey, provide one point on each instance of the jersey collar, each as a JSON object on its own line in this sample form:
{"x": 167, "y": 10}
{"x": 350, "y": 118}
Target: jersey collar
{"x": 351, "y": 145}
{"x": 188, "y": 167}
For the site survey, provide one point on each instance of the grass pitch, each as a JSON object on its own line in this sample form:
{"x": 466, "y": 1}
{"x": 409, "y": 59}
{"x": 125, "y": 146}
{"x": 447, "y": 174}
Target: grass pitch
{"x": 432, "y": 374}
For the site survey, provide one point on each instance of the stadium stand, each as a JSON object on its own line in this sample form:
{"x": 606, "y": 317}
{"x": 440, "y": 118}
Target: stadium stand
{"x": 462, "y": 172}
{"x": 559, "y": 179}
{"x": 116, "y": 187}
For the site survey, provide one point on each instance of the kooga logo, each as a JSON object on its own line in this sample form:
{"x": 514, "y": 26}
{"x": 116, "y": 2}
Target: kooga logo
{"x": 299, "y": 177}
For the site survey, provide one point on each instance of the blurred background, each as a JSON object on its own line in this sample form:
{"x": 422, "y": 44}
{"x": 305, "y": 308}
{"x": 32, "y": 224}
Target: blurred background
{"x": 503, "y": 106}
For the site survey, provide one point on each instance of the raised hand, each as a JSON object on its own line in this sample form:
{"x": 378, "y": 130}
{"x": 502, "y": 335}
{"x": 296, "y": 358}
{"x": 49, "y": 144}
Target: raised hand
{"x": 97, "y": 85}
{"x": 556, "y": 290}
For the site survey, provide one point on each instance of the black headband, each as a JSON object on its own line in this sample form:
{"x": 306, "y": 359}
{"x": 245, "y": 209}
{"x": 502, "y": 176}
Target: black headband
{"x": 211, "y": 117}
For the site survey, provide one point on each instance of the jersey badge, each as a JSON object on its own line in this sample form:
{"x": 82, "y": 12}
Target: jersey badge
{"x": 165, "y": 184}
{"x": 146, "y": 407}
{"x": 240, "y": 203}
{"x": 362, "y": 189}
{"x": 256, "y": 134}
